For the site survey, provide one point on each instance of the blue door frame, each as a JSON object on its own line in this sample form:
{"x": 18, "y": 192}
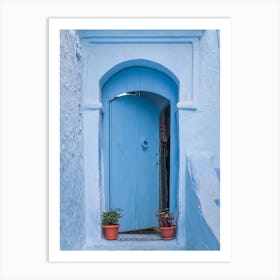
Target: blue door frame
{"x": 119, "y": 112}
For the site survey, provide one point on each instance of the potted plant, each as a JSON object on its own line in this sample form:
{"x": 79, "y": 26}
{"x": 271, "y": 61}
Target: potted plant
{"x": 110, "y": 223}
{"x": 166, "y": 224}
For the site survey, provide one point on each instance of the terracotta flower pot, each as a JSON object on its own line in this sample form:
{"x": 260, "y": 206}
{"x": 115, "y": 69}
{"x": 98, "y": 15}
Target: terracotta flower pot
{"x": 168, "y": 233}
{"x": 111, "y": 231}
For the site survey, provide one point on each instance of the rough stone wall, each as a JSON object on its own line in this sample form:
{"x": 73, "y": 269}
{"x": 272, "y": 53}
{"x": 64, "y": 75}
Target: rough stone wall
{"x": 72, "y": 189}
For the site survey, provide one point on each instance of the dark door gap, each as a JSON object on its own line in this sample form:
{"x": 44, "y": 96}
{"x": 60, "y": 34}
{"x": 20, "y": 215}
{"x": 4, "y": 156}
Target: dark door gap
{"x": 164, "y": 170}
{"x": 142, "y": 231}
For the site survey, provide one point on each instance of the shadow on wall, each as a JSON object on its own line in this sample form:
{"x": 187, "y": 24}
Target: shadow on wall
{"x": 198, "y": 232}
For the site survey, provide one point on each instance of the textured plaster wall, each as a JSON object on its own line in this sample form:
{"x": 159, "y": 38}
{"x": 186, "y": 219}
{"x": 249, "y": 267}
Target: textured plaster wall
{"x": 203, "y": 125}
{"x": 202, "y": 134}
{"x": 72, "y": 193}
{"x": 202, "y": 204}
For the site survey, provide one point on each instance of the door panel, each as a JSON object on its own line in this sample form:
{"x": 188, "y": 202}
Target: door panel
{"x": 133, "y": 161}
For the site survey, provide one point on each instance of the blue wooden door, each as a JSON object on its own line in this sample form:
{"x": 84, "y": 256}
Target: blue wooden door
{"x": 133, "y": 160}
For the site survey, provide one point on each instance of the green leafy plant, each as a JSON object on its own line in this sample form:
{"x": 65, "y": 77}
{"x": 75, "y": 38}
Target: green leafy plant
{"x": 112, "y": 216}
{"x": 165, "y": 218}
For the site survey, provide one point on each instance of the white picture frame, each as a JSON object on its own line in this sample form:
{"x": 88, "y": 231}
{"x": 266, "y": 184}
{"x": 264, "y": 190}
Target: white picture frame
{"x": 24, "y": 140}
{"x": 222, "y": 24}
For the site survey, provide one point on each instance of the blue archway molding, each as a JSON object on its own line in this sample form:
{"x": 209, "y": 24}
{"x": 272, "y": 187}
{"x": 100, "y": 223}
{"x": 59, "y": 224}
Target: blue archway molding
{"x": 166, "y": 78}
{"x": 138, "y": 62}
{"x": 94, "y": 160}
{"x": 151, "y": 74}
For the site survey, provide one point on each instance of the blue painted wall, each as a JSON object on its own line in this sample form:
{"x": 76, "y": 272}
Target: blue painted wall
{"x": 202, "y": 203}
{"x": 72, "y": 194}
{"x": 201, "y": 129}
{"x": 194, "y": 64}
{"x": 202, "y": 126}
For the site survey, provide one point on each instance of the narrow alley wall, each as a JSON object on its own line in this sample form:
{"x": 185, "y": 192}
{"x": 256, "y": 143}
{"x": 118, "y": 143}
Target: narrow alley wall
{"x": 201, "y": 128}
{"x": 72, "y": 194}
{"x": 202, "y": 204}
{"x": 203, "y": 125}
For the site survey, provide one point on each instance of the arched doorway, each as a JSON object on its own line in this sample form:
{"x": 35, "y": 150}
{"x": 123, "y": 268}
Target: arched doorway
{"x": 140, "y": 173}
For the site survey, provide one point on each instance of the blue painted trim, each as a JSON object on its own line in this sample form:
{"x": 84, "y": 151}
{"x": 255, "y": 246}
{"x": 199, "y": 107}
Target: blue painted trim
{"x": 139, "y": 38}
{"x": 93, "y": 106}
{"x": 138, "y": 62}
{"x": 186, "y": 106}
{"x": 141, "y": 34}
{"x": 137, "y": 42}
